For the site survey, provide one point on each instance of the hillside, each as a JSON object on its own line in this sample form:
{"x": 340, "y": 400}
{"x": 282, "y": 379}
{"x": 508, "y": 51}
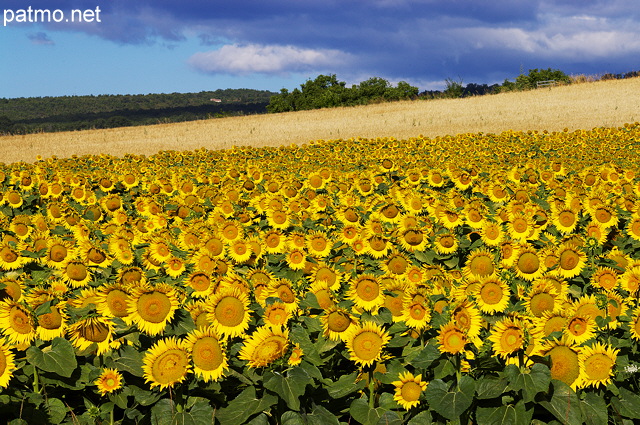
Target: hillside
{"x": 34, "y": 114}
{"x": 578, "y": 106}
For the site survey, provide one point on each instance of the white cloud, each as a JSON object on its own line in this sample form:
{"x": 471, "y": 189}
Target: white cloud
{"x": 545, "y": 42}
{"x": 273, "y": 59}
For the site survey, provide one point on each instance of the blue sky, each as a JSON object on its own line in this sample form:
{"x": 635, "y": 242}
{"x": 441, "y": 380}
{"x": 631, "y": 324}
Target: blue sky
{"x": 164, "y": 46}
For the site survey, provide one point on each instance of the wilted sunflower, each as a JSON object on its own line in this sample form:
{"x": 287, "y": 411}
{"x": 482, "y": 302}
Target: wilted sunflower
{"x": 598, "y": 361}
{"x": 150, "y": 308}
{"x": 208, "y": 354}
{"x": 408, "y": 389}
{"x": 167, "y": 363}
{"x": 264, "y": 346}
{"x": 565, "y": 361}
{"x": 366, "y": 342}
{"x": 228, "y": 311}
{"x": 110, "y": 380}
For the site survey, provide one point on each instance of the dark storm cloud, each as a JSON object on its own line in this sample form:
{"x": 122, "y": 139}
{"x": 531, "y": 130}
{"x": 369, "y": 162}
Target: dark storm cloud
{"x": 419, "y": 41}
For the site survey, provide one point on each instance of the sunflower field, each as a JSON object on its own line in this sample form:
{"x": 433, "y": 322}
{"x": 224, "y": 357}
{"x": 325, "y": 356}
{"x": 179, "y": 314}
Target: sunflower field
{"x": 469, "y": 279}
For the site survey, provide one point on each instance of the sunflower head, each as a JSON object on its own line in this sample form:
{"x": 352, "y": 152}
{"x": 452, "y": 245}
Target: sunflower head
{"x": 366, "y": 342}
{"x": 408, "y": 389}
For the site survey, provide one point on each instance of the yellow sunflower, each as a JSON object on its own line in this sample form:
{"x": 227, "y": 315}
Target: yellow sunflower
{"x": 408, "y": 389}
{"x": 77, "y": 274}
{"x": 451, "y": 339}
{"x": 366, "y": 292}
{"x": 326, "y": 274}
{"x": 492, "y": 295}
{"x": 239, "y": 251}
{"x": 296, "y": 258}
{"x": 110, "y": 380}
{"x": 507, "y": 337}
{"x": 151, "y": 308}
{"x": 208, "y": 354}
{"x": 52, "y": 324}
{"x": 480, "y": 264}
{"x": 366, "y": 343}
{"x": 528, "y": 265}
{"x": 445, "y": 243}
{"x": 565, "y": 361}
{"x": 7, "y": 365}
{"x": 630, "y": 280}
{"x": 492, "y": 233}
{"x": 634, "y": 325}
{"x": 467, "y": 317}
{"x": 113, "y": 300}
{"x": 571, "y": 260}
{"x": 228, "y": 311}
{"x": 167, "y": 363}
{"x": 264, "y": 346}
{"x": 10, "y": 255}
{"x": 579, "y": 329}
{"x": 564, "y": 218}
{"x": 542, "y": 297}
{"x": 605, "y": 278}
{"x": 93, "y": 330}
{"x": 598, "y": 361}
{"x": 336, "y": 322}
{"x": 10, "y": 288}
{"x": 17, "y": 323}
{"x": 416, "y": 314}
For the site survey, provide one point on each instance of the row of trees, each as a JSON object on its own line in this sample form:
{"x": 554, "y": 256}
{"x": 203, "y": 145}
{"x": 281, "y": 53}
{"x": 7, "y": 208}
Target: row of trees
{"x": 326, "y": 91}
{"x": 65, "y": 113}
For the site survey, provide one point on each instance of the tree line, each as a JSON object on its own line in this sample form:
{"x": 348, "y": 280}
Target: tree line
{"x": 326, "y": 91}
{"x": 68, "y": 113}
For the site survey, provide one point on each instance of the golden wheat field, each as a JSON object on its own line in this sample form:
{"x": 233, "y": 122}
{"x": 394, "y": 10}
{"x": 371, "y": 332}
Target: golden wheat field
{"x": 486, "y": 271}
{"x": 578, "y": 106}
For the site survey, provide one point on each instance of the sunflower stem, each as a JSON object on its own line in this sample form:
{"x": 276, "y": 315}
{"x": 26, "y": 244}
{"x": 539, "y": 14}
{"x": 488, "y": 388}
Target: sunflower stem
{"x": 458, "y": 365}
{"x": 36, "y": 380}
{"x": 111, "y": 419}
{"x": 372, "y": 400}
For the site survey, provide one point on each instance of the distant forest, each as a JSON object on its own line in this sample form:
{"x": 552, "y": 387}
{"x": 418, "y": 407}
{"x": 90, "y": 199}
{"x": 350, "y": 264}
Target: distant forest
{"x": 67, "y": 113}
{"x": 63, "y": 113}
